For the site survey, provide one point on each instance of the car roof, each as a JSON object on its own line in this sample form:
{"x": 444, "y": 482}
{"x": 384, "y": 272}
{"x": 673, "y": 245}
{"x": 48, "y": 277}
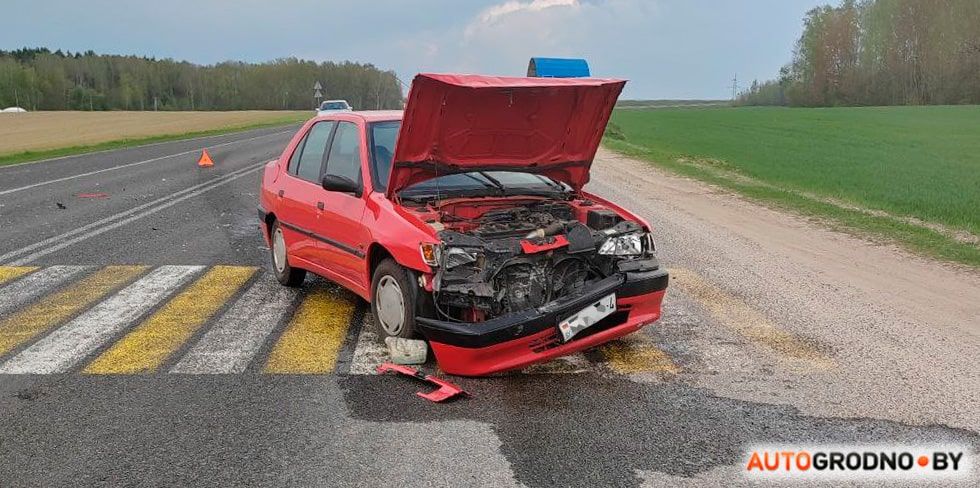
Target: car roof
{"x": 365, "y": 115}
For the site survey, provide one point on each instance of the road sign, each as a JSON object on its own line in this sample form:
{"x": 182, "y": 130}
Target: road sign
{"x": 317, "y": 94}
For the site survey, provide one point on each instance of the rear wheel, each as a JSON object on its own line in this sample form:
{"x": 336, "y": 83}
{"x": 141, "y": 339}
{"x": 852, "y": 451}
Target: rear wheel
{"x": 286, "y": 274}
{"x": 393, "y": 300}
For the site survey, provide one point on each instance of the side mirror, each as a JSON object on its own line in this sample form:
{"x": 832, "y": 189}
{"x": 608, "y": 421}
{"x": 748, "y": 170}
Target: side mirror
{"x": 341, "y": 184}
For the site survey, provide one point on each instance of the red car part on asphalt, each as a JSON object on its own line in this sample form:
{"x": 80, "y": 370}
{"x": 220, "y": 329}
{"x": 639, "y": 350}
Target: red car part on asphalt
{"x": 332, "y": 205}
{"x": 445, "y": 391}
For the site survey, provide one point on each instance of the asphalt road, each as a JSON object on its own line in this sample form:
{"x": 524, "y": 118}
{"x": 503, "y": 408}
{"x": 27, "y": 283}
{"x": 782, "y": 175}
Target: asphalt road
{"x": 181, "y": 364}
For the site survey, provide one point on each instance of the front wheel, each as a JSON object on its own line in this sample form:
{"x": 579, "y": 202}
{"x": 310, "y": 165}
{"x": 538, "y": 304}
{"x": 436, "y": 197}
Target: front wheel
{"x": 393, "y": 300}
{"x": 286, "y": 274}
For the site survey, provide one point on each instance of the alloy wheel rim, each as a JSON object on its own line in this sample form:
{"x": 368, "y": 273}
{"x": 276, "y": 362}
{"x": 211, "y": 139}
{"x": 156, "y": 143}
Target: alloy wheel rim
{"x": 391, "y": 305}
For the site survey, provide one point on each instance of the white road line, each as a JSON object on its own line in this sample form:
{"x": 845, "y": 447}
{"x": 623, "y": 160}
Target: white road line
{"x": 369, "y": 351}
{"x": 71, "y": 343}
{"x": 239, "y": 334}
{"x": 30, "y": 287}
{"x": 129, "y": 165}
{"x": 62, "y": 241}
{"x": 151, "y": 144}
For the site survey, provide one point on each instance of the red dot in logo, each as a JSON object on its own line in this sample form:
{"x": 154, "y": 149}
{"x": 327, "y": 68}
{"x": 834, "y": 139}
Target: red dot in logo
{"x": 923, "y": 461}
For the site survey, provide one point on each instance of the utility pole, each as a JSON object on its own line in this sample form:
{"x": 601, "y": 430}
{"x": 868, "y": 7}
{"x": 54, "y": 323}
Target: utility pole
{"x": 734, "y": 88}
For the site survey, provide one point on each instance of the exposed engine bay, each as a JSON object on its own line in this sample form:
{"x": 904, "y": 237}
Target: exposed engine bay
{"x": 512, "y": 255}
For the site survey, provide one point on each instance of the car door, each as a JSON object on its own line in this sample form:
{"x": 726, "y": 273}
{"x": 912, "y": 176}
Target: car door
{"x": 300, "y": 191}
{"x": 339, "y": 214}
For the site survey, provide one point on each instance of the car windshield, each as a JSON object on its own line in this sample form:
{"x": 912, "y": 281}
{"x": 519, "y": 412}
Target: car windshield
{"x": 383, "y": 136}
{"x": 485, "y": 183}
{"x": 333, "y": 106}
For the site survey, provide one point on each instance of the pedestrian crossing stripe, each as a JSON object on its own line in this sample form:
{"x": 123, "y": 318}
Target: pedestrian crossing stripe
{"x": 153, "y": 341}
{"x": 8, "y": 273}
{"x": 315, "y": 335}
{"x": 214, "y": 320}
{"x": 26, "y": 324}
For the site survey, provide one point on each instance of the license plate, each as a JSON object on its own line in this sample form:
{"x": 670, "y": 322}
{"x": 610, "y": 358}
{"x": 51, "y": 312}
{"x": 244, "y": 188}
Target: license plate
{"x": 587, "y": 317}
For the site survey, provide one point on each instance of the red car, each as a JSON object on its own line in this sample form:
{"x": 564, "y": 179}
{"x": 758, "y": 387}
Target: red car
{"x": 463, "y": 220}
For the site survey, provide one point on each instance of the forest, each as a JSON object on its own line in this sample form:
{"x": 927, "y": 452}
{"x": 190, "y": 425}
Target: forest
{"x": 880, "y": 52}
{"x": 39, "y": 79}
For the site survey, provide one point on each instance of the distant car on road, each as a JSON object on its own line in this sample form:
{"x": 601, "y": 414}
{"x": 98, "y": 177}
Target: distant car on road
{"x": 13, "y": 110}
{"x": 463, "y": 220}
{"x": 333, "y": 106}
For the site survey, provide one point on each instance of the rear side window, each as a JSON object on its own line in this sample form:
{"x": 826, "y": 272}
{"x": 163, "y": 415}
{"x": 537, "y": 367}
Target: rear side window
{"x": 311, "y": 158}
{"x": 345, "y": 153}
{"x": 294, "y": 158}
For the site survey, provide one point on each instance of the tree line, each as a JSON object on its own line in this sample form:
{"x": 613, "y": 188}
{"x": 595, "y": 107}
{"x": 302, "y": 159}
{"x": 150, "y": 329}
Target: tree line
{"x": 39, "y": 79}
{"x": 881, "y": 52}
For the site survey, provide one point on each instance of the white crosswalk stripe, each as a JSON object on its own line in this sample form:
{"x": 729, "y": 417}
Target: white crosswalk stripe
{"x": 32, "y": 286}
{"x": 240, "y": 332}
{"x": 69, "y": 344}
{"x": 314, "y": 321}
{"x": 369, "y": 351}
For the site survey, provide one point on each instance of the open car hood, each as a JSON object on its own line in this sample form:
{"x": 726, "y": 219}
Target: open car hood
{"x": 458, "y": 123}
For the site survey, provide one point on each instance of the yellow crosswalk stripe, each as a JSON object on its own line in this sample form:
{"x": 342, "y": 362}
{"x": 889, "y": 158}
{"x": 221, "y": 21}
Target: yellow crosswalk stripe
{"x": 744, "y": 319}
{"x": 56, "y": 308}
{"x": 153, "y": 341}
{"x": 311, "y": 342}
{"x": 637, "y": 355}
{"x": 8, "y": 273}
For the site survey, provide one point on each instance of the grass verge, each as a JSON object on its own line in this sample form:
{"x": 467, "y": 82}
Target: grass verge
{"x": 30, "y": 156}
{"x": 855, "y": 182}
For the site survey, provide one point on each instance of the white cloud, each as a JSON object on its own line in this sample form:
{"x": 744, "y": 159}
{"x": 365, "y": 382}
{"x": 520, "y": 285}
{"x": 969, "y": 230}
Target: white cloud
{"x": 491, "y": 15}
{"x": 501, "y": 38}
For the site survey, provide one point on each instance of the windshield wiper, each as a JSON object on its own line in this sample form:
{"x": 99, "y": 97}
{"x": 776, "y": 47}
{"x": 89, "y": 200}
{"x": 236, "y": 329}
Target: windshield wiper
{"x": 484, "y": 183}
{"x": 552, "y": 183}
{"x": 496, "y": 183}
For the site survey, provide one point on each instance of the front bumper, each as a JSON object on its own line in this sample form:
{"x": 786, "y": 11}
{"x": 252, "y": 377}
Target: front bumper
{"x": 519, "y": 339}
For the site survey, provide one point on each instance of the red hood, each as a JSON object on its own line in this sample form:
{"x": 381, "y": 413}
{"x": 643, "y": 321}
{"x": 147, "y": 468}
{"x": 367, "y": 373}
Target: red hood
{"x": 549, "y": 126}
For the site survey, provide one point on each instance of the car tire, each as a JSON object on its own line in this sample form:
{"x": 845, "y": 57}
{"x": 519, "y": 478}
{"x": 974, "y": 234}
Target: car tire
{"x": 393, "y": 300}
{"x": 286, "y": 274}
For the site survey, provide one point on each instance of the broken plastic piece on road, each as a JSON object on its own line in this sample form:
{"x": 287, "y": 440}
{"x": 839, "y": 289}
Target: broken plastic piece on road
{"x": 406, "y": 351}
{"x": 205, "y": 160}
{"x": 446, "y": 389}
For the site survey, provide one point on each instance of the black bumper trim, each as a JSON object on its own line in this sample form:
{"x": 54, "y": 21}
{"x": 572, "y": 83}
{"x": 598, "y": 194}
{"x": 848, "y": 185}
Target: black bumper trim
{"x": 643, "y": 282}
{"x": 528, "y": 322}
{"x": 262, "y": 214}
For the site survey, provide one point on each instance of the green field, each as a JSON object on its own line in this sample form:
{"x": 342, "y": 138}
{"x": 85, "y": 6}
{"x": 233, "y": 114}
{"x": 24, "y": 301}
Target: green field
{"x": 909, "y": 174}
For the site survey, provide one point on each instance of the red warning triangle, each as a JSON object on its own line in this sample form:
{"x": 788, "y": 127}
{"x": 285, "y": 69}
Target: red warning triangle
{"x": 205, "y": 160}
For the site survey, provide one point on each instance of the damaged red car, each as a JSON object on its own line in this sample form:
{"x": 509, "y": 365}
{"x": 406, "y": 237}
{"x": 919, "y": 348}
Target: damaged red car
{"x": 463, "y": 220}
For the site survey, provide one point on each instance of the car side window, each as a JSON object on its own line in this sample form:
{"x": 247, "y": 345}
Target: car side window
{"x": 345, "y": 152}
{"x": 294, "y": 158}
{"x": 311, "y": 160}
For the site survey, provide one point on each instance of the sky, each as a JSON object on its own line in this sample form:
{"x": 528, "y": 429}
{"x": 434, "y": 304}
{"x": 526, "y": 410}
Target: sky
{"x": 668, "y": 49}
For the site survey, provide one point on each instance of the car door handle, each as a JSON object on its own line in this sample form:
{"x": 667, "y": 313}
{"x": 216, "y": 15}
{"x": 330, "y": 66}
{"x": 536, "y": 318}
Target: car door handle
{"x": 319, "y": 205}
{"x": 281, "y": 193}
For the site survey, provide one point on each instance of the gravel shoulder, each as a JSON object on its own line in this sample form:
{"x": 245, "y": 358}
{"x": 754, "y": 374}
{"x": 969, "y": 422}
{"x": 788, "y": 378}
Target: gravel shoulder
{"x": 901, "y": 332}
